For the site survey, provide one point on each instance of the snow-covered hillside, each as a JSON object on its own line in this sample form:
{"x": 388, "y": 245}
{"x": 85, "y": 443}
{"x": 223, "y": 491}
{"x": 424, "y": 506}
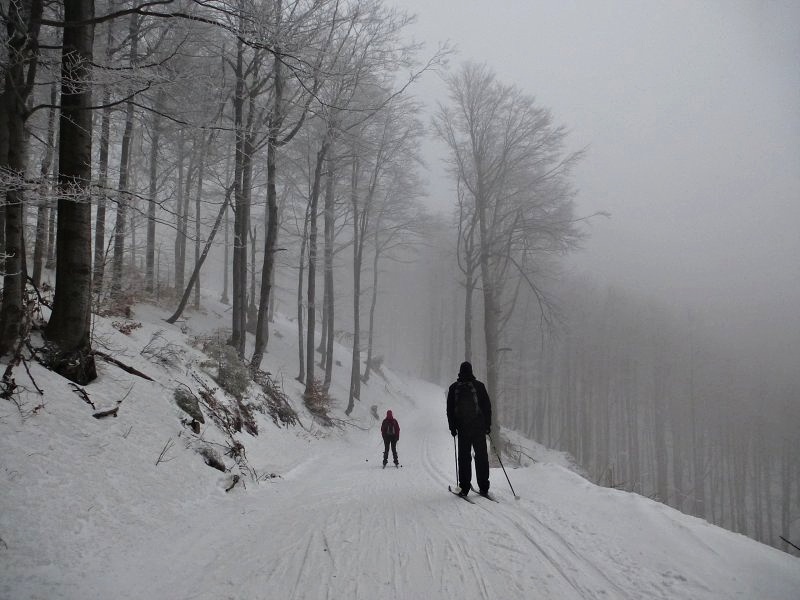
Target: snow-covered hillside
{"x": 86, "y": 513}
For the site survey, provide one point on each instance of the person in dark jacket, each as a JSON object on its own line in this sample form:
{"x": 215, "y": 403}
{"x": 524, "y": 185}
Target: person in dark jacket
{"x": 469, "y": 416}
{"x": 390, "y": 431}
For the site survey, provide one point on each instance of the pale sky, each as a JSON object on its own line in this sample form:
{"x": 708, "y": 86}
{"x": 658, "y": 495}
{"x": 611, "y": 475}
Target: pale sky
{"x": 691, "y": 112}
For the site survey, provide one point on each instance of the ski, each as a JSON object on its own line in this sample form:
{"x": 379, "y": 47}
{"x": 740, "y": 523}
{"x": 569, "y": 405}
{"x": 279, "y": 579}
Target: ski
{"x": 486, "y": 495}
{"x": 455, "y": 493}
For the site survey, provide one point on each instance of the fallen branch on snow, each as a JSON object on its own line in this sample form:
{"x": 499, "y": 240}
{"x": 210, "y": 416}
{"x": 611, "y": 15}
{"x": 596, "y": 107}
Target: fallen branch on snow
{"x": 121, "y": 365}
{"x": 82, "y": 393}
{"x": 111, "y": 412}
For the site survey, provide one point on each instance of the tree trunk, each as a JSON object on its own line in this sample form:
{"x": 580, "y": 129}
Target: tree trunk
{"x": 69, "y": 325}
{"x": 326, "y": 340}
{"x": 301, "y": 376}
{"x": 200, "y": 260}
{"x": 102, "y": 197}
{"x": 43, "y": 216}
{"x": 197, "y": 203}
{"x": 312, "y": 265}
{"x": 252, "y": 311}
{"x": 788, "y": 458}
{"x": 373, "y": 303}
{"x": 22, "y": 24}
{"x": 271, "y": 235}
{"x": 355, "y": 369}
{"x": 226, "y": 260}
{"x": 124, "y": 166}
{"x": 241, "y": 220}
{"x": 102, "y": 175}
{"x": 659, "y": 429}
{"x": 182, "y": 238}
{"x": 469, "y": 287}
{"x": 51, "y": 228}
{"x": 178, "y": 245}
{"x": 490, "y": 322}
{"x": 323, "y": 330}
{"x": 268, "y": 266}
{"x": 225, "y": 299}
{"x": 150, "y": 252}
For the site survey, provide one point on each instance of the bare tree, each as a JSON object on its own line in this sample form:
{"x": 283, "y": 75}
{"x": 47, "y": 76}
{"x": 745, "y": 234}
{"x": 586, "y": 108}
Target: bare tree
{"x": 102, "y": 172}
{"x": 399, "y": 225}
{"x": 22, "y": 22}
{"x": 69, "y": 326}
{"x": 43, "y": 212}
{"x": 510, "y": 158}
{"x": 243, "y": 127}
{"x": 124, "y": 167}
{"x": 150, "y": 248}
{"x": 384, "y": 142}
{"x": 287, "y": 28}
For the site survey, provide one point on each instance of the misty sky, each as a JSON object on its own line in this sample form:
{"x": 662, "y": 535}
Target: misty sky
{"x": 691, "y": 112}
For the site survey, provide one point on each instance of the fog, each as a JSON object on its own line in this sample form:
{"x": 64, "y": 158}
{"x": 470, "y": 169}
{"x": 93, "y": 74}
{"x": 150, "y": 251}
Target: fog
{"x": 636, "y": 309}
{"x": 691, "y": 115}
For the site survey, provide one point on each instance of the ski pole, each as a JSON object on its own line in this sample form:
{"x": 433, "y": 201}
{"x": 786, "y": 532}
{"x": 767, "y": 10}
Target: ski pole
{"x": 455, "y": 454}
{"x": 497, "y": 454}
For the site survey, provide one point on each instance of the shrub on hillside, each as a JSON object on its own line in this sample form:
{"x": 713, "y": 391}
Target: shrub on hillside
{"x": 232, "y": 374}
{"x": 318, "y": 403}
{"x": 274, "y": 402}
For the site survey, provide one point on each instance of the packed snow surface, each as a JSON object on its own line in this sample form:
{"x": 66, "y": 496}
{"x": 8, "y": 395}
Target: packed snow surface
{"x": 86, "y": 513}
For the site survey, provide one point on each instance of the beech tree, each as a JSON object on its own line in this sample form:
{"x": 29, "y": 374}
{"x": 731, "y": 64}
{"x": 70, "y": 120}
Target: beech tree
{"x": 510, "y": 158}
{"x": 399, "y": 224}
{"x": 69, "y": 326}
{"x": 21, "y": 45}
{"x": 287, "y": 29}
{"x": 124, "y": 166}
{"x": 387, "y": 140}
{"x": 368, "y": 58}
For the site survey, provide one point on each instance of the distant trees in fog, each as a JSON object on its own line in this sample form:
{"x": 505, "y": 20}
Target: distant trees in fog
{"x": 646, "y": 400}
{"x": 645, "y": 395}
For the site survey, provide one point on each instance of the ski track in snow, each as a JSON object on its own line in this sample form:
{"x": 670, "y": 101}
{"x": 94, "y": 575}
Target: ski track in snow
{"x": 338, "y": 526}
{"x": 335, "y": 526}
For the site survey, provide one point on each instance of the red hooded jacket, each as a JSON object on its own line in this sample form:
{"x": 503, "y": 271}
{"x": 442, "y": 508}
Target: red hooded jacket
{"x": 390, "y": 424}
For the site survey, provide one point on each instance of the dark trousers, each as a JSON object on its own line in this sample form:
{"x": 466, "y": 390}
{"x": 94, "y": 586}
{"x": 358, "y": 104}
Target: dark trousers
{"x": 466, "y": 443}
{"x": 387, "y": 441}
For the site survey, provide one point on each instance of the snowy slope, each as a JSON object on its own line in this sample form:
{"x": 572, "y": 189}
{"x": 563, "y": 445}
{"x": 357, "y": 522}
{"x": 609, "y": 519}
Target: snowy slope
{"x": 85, "y": 513}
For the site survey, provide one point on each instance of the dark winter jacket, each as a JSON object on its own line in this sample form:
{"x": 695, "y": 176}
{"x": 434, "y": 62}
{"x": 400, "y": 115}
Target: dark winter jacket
{"x": 482, "y": 420}
{"x": 390, "y": 425}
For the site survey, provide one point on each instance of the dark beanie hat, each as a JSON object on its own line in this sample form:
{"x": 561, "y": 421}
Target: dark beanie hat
{"x": 465, "y": 370}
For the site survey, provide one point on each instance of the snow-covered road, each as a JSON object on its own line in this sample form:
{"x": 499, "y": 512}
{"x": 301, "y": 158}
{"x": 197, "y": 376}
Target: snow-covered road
{"x": 125, "y": 508}
{"x": 338, "y": 526}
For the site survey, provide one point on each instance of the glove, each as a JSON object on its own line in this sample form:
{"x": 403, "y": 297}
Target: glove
{"x": 453, "y": 432}
{"x": 488, "y": 430}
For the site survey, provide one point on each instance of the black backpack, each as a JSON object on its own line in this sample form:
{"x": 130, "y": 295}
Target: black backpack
{"x": 466, "y": 402}
{"x": 390, "y": 430}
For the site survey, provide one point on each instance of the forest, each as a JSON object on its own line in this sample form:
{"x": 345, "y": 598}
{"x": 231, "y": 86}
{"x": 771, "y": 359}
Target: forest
{"x": 270, "y": 151}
